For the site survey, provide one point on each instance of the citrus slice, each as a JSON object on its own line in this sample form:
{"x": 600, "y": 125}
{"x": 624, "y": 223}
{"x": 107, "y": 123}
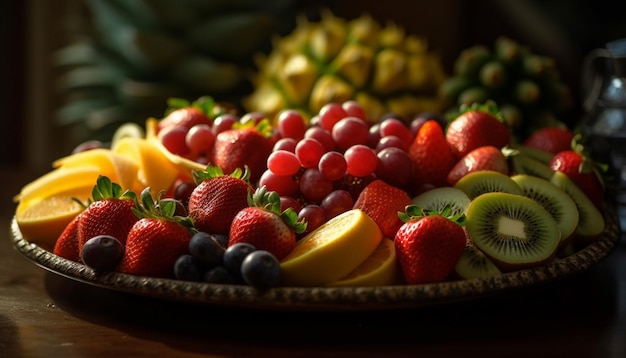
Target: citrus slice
{"x": 331, "y": 251}
{"x": 119, "y": 168}
{"x": 42, "y": 220}
{"x": 379, "y": 269}
{"x": 57, "y": 181}
{"x": 155, "y": 169}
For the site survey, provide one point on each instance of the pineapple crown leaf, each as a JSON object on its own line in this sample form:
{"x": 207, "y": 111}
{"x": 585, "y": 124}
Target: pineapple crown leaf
{"x": 413, "y": 212}
{"x": 160, "y": 209}
{"x": 106, "y": 189}
{"x": 270, "y": 201}
{"x": 213, "y": 171}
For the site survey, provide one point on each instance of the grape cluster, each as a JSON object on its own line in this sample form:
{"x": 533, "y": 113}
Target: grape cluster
{"x": 319, "y": 169}
{"x": 211, "y": 260}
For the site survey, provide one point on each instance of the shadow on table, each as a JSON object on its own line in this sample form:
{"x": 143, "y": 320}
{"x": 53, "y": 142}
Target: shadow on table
{"x": 571, "y": 313}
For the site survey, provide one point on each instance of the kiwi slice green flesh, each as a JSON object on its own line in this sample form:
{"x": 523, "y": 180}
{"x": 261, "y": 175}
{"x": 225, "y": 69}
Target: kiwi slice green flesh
{"x": 439, "y": 198}
{"x": 554, "y": 199}
{"x": 487, "y": 181}
{"x": 524, "y": 164}
{"x": 512, "y": 230}
{"x": 474, "y": 264}
{"x": 591, "y": 221}
{"x": 537, "y": 154}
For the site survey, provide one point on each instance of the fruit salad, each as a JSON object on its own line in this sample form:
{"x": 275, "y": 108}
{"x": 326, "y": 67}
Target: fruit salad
{"x": 334, "y": 199}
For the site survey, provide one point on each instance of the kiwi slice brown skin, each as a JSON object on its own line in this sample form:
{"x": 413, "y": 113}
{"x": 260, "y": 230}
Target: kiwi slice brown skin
{"x": 475, "y": 264}
{"x": 487, "y": 181}
{"x": 438, "y": 199}
{"x": 591, "y": 222}
{"x": 554, "y": 199}
{"x": 514, "y": 231}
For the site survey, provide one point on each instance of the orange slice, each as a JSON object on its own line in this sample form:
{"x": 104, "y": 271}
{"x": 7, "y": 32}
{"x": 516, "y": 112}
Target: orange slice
{"x": 331, "y": 251}
{"x": 379, "y": 269}
{"x": 57, "y": 181}
{"x": 42, "y": 220}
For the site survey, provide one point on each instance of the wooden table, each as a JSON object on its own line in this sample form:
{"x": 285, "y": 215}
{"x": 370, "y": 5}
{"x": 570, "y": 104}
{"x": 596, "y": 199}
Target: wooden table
{"x": 45, "y": 315}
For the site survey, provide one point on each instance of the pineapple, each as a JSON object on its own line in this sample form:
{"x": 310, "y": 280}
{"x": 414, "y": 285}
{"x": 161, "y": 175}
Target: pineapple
{"x": 335, "y": 60}
{"x": 133, "y": 55}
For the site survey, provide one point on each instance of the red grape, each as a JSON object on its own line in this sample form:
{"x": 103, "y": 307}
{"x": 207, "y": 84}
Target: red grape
{"x": 395, "y": 167}
{"x": 361, "y": 160}
{"x": 173, "y": 138}
{"x": 337, "y": 202}
{"x": 332, "y": 165}
{"x": 288, "y": 144}
{"x": 289, "y": 202}
{"x": 284, "y": 185}
{"x": 313, "y": 215}
{"x": 393, "y": 126}
{"x": 389, "y": 141}
{"x": 224, "y": 122}
{"x": 282, "y": 162}
{"x": 321, "y": 135}
{"x": 200, "y": 139}
{"x": 330, "y": 114}
{"x": 313, "y": 186}
{"x": 291, "y": 124}
{"x": 309, "y": 151}
{"x": 353, "y": 108}
{"x": 350, "y": 131}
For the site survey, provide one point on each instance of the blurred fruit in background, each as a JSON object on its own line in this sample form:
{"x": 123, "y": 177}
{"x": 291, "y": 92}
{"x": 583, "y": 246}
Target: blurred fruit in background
{"x": 134, "y": 55}
{"x": 336, "y": 60}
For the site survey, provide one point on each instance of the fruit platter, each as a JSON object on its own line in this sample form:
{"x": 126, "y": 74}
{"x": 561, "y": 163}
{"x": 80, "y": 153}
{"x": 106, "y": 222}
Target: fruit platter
{"x": 347, "y": 203}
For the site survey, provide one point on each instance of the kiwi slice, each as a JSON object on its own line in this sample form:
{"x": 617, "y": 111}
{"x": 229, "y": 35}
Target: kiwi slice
{"x": 525, "y": 164}
{"x": 558, "y": 203}
{"x": 474, "y": 264}
{"x": 487, "y": 181}
{"x": 512, "y": 230}
{"x": 590, "y": 220}
{"x": 537, "y": 154}
{"x": 439, "y": 198}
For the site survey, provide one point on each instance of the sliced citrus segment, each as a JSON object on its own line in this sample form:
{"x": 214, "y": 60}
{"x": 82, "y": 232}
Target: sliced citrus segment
{"x": 331, "y": 251}
{"x": 155, "y": 170}
{"x": 379, "y": 269}
{"x": 42, "y": 220}
{"x": 119, "y": 168}
{"x": 58, "y": 181}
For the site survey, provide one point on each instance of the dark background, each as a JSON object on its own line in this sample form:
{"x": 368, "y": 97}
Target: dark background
{"x": 565, "y": 30}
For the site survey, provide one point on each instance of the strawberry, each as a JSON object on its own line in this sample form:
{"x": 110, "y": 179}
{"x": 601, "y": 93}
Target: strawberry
{"x": 431, "y": 155}
{"x": 109, "y": 213}
{"x": 263, "y": 225}
{"x": 187, "y": 114}
{"x": 582, "y": 171}
{"x": 477, "y": 126}
{"x": 157, "y": 239}
{"x": 217, "y": 198}
{"x": 381, "y": 202}
{"x": 428, "y": 245}
{"x": 66, "y": 245}
{"x": 246, "y": 144}
{"x": 482, "y": 158}
{"x": 550, "y": 139}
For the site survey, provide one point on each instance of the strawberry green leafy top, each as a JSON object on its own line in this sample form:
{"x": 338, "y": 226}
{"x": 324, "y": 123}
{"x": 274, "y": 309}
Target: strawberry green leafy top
{"x": 270, "y": 201}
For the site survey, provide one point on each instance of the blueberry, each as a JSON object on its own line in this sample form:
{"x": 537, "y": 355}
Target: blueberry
{"x": 218, "y": 274}
{"x": 187, "y": 268}
{"x": 222, "y": 239}
{"x": 261, "y": 269}
{"x": 234, "y": 256}
{"x": 207, "y": 249}
{"x": 102, "y": 253}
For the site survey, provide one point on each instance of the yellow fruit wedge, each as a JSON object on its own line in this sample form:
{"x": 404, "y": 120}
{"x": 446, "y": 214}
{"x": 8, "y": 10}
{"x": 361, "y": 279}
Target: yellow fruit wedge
{"x": 331, "y": 251}
{"x": 155, "y": 170}
{"x": 57, "y": 181}
{"x": 42, "y": 220}
{"x": 379, "y": 269}
{"x": 119, "y": 168}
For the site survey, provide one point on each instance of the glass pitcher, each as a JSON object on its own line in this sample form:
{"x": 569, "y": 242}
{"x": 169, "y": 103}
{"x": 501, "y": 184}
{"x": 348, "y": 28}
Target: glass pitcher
{"x": 604, "y": 86}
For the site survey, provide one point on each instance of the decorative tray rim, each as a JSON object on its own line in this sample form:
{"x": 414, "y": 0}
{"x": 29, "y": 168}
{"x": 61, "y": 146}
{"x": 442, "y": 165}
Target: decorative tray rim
{"x": 324, "y": 298}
